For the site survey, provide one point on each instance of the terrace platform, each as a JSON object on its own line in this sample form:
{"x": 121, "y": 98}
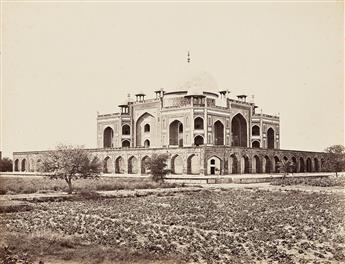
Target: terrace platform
{"x": 198, "y": 179}
{"x": 241, "y": 178}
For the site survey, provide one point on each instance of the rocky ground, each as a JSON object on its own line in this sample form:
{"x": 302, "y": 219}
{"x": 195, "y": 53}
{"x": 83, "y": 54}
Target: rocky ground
{"x": 209, "y": 226}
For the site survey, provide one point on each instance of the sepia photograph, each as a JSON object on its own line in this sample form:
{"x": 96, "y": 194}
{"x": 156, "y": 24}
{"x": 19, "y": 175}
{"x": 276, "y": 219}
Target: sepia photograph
{"x": 163, "y": 132}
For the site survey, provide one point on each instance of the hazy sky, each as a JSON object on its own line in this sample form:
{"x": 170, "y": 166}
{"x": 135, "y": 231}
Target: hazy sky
{"x": 63, "y": 62}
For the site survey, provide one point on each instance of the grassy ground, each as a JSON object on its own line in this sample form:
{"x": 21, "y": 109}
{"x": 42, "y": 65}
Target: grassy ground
{"x": 332, "y": 181}
{"x": 16, "y": 185}
{"x": 218, "y": 226}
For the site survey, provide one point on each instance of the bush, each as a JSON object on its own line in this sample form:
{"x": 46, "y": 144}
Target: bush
{"x": 42, "y": 184}
{"x": 320, "y": 182}
{"x": 89, "y": 195}
{"x": 157, "y": 166}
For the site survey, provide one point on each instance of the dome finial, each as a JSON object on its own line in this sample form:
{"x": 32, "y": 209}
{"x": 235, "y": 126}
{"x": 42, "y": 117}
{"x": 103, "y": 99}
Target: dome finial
{"x": 188, "y": 57}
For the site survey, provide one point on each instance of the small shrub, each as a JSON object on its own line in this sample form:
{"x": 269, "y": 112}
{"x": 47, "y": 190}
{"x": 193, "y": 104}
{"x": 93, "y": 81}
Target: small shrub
{"x": 11, "y": 185}
{"x": 320, "y": 182}
{"x": 88, "y": 195}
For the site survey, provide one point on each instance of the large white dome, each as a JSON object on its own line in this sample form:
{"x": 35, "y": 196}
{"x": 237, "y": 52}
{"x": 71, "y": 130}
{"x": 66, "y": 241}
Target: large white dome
{"x": 194, "y": 81}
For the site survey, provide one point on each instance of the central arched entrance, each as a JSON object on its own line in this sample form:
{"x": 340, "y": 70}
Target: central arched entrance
{"x": 214, "y": 166}
{"x": 218, "y": 133}
{"x": 239, "y": 131}
{"x": 176, "y": 134}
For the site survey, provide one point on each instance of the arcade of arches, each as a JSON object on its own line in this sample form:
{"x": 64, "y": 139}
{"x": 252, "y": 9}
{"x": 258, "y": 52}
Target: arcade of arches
{"x": 203, "y": 161}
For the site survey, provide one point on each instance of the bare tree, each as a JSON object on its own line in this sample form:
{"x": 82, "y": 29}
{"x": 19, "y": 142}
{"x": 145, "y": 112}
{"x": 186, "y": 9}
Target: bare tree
{"x": 70, "y": 163}
{"x": 285, "y": 167}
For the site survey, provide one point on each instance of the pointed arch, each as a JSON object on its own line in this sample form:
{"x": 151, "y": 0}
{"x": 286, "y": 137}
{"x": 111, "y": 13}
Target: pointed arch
{"x": 16, "y": 165}
{"x": 316, "y": 165}
{"x": 322, "y": 167}
{"x": 309, "y": 165}
{"x": 24, "y": 164}
{"x": 108, "y": 134}
{"x": 146, "y": 143}
{"x": 301, "y": 165}
{"x": 126, "y": 144}
{"x": 38, "y": 164}
{"x": 214, "y": 165}
{"x": 255, "y": 130}
{"x": 256, "y": 164}
{"x": 233, "y": 164}
{"x": 239, "y": 131}
{"x": 294, "y": 164}
{"x": 133, "y": 165}
{"x": 176, "y": 133}
{"x": 119, "y": 165}
{"x": 176, "y": 164}
{"x": 198, "y": 123}
{"x": 107, "y": 165}
{"x": 198, "y": 140}
{"x": 144, "y": 168}
{"x": 193, "y": 164}
{"x": 267, "y": 166}
{"x": 270, "y": 138}
{"x": 218, "y": 133}
{"x": 244, "y": 164}
{"x": 147, "y": 128}
{"x": 126, "y": 130}
{"x": 276, "y": 164}
{"x": 255, "y": 144}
